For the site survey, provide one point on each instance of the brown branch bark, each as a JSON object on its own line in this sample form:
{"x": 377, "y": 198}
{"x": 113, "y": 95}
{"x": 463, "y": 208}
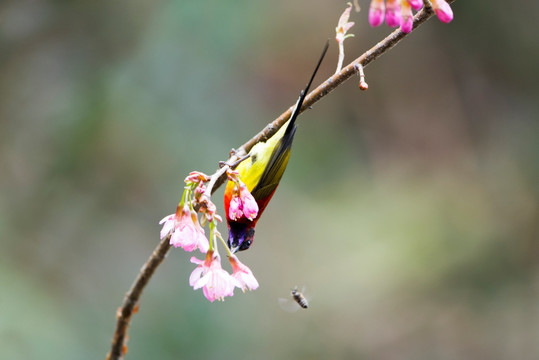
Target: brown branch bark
{"x": 132, "y": 297}
{"x": 124, "y": 313}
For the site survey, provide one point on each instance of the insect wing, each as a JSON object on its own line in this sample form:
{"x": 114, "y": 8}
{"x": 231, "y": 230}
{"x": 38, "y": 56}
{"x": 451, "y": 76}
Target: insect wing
{"x": 288, "y": 305}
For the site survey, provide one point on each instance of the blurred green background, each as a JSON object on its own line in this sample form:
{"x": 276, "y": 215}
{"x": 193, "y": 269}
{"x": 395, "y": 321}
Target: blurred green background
{"x": 410, "y": 211}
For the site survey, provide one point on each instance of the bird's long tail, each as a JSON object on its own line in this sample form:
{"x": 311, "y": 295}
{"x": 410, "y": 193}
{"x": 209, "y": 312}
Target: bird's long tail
{"x": 299, "y": 104}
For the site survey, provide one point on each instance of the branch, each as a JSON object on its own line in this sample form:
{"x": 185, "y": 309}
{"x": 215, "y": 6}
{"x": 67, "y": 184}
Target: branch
{"x": 132, "y": 297}
{"x": 123, "y": 315}
{"x": 334, "y": 81}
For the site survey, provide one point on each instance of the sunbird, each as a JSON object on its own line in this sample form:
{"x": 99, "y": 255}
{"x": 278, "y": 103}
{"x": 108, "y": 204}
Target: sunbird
{"x": 261, "y": 172}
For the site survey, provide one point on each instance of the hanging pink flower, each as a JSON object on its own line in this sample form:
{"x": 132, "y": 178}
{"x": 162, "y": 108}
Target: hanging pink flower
{"x": 242, "y": 202}
{"x": 235, "y": 210}
{"x": 215, "y": 282}
{"x": 243, "y": 274}
{"x": 249, "y": 205}
{"x": 186, "y": 230}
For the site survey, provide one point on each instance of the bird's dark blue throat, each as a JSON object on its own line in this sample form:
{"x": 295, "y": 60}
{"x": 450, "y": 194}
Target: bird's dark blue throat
{"x": 240, "y": 236}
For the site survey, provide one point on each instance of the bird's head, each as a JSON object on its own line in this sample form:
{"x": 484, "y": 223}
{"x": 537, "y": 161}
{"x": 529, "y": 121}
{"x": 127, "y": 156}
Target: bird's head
{"x": 240, "y": 236}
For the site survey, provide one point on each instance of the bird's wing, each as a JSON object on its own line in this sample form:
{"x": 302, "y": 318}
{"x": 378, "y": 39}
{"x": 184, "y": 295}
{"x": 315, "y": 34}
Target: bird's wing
{"x": 275, "y": 167}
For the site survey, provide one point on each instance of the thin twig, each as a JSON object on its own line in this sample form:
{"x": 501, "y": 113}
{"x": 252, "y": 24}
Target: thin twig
{"x": 132, "y": 297}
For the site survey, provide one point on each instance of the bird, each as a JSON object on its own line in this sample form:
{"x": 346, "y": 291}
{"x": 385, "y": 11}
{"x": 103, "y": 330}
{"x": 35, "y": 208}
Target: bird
{"x": 261, "y": 172}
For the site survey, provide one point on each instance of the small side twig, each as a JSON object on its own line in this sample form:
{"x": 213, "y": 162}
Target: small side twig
{"x": 362, "y": 83}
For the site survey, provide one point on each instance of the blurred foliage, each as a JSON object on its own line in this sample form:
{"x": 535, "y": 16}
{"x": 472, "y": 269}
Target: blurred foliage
{"x": 410, "y": 211}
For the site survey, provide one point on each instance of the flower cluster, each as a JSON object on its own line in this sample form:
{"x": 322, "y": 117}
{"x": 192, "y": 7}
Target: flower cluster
{"x": 242, "y": 202}
{"x": 399, "y": 12}
{"x": 186, "y": 231}
{"x": 217, "y": 283}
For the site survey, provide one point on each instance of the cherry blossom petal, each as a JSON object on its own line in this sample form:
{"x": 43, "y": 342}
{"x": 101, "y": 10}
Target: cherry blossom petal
{"x": 243, "y": 274}
{"x": 169, "y": 223}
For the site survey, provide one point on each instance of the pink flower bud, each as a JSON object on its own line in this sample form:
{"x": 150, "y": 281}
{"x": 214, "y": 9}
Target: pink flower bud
{"x": 232, "y": 175}
{"x": 207, "y": 207}
{"x": 196, "y": 176}
{"x": 393, "y": 17}
{"x": 415, "y": 4}
{"x": 443, "y": 10}
{"x": 250, "y": 207}
{"x": 199, "y": 190}
{"x": 406, "y": 17}
{"x": 376, "y": 12}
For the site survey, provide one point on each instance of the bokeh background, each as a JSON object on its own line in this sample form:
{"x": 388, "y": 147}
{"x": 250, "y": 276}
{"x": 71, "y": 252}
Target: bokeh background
{"x": 409, "y": 211}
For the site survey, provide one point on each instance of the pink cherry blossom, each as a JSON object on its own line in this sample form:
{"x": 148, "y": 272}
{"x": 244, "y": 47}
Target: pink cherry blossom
{"x": 242, "y": 202}
{"x": 443, "y": 10}
{"x": 243, "y": 274}
{"x": 215, "y": 282}
{"x": 376, "y": 12}
{"x": 186, "y": 230}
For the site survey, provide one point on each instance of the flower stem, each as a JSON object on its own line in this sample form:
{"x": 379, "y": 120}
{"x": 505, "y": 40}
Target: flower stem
{"x": 185, "y": 190}
{"x": 228, "y": 252}
{"x": 212, "y": 232}
{"x": 341, "y": 57}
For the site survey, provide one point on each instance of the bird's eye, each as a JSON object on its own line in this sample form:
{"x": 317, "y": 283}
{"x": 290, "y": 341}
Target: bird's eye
{"x": 245, "y": 245}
